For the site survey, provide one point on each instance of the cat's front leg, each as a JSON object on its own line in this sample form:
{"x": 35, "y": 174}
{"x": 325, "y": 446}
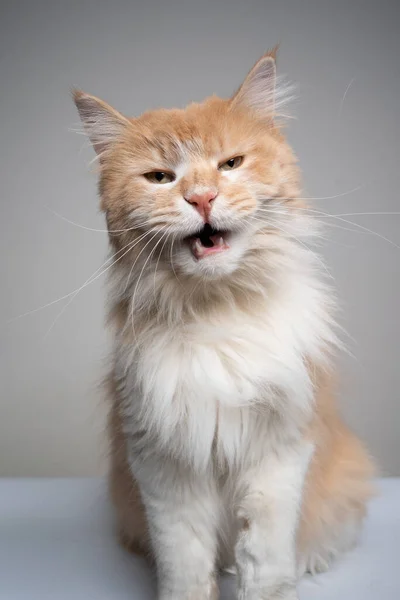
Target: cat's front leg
{"x": 182, "y": 517}
{"x": 268, "y": 515}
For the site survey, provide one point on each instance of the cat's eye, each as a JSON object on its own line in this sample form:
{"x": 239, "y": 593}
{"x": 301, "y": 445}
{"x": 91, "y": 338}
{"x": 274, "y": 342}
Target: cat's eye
{"x": 232, "y": 163}
{"x": 160, "y": 177}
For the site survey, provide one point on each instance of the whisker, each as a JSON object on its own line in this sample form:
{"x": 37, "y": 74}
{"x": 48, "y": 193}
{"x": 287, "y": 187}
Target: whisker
{"x": 135, "y": 261}
{"x": 352, "y": 214}
{"x": 165, "y": 234}
{"x": 362, "y": 227}
{"x": 286, "y": 213}
{"x": 341, "y": 227}
{"x": 193, "y": 290}
{"x": 35, "y": 310}
{"x": 137, "y": 285}
{"x": 379, "y": 235}
{"x": 88, "y": 282}
{"x": 172, "y": 260}
{"x": 344, "y": 96}
{"x": 366, "y": 213}
{"x": 136, "y": 226}
{"x": 56, "y": 214}
{"x": 318, "y": 258}
{"x": 346, "y": 193}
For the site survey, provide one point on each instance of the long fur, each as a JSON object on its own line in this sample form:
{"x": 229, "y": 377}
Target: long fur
{"x": 222, "y": 405}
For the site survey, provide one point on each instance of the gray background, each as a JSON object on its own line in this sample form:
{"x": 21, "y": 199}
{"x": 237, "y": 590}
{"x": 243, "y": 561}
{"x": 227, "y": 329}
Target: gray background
{"x": 143, "y": 55}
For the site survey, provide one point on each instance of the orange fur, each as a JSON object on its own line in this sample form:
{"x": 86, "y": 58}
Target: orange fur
{"x": 202, "y": 137}
{"x": 124, "y": 491}
{"x": 338, "y": 483}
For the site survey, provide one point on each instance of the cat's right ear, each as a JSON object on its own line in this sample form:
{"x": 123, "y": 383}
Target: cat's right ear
{"x": 103, "y": 124}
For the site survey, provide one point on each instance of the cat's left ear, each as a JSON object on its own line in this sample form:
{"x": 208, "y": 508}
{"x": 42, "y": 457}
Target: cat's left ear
{"x": 258, "y": 91}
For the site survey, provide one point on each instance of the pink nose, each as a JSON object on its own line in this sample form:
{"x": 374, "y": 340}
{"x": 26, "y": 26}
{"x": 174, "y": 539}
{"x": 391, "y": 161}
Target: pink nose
{"x": 202, "y": 202}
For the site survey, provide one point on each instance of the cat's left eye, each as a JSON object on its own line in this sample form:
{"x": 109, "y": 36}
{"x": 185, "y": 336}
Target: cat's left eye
{"x": 232, "y": 163}
{"x": 160, "y": 177}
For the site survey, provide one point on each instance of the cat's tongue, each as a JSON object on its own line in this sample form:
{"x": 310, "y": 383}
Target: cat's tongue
{"x": 215, "y": 244}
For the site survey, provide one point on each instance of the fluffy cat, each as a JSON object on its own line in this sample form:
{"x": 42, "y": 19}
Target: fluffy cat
{"x": 227, "y": 449}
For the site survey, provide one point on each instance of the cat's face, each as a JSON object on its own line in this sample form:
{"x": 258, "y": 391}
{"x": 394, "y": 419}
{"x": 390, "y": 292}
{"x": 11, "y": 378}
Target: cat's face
{"x": 195, "y": 183}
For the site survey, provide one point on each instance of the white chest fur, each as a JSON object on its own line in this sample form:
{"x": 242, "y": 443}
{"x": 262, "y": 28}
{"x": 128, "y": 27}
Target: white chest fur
{"x": 215, "y": 387}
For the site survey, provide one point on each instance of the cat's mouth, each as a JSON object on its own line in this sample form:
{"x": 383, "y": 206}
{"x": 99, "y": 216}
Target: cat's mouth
{"x": 207, "y": 241}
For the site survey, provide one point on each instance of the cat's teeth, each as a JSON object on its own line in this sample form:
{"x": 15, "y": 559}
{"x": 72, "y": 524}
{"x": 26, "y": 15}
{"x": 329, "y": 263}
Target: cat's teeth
{"x": 198, "y": 248}
{"x": 221, "y": 241}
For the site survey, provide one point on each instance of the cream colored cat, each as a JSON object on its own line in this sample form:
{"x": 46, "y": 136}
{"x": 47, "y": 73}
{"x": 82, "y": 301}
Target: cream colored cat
{"x": 227, "y": 447}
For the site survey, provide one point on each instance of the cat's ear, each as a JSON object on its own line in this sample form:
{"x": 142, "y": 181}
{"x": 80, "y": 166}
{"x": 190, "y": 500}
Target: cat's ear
{"x": 103, "y": 124}
{"x": 258, "y": 91}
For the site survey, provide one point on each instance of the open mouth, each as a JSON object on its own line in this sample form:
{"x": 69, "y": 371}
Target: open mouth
{"x": 208, "y": 241}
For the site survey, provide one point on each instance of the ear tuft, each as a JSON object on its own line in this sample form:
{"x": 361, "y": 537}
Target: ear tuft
{"x": 273, "y": 53}
{"x": 103, "y": 124}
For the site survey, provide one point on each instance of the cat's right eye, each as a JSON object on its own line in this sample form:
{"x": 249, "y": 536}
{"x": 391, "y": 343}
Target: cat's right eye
{"x": 160, "y": 177}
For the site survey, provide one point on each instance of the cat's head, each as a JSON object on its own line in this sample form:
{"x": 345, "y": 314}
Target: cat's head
{"x": 192, "y": 187}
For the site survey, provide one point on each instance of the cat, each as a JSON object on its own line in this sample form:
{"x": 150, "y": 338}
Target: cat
{"x": 227, "y": 448}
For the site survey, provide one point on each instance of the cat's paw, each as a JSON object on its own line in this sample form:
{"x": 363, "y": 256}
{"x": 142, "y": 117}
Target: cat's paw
{"x": 288, "y": 595}
{"x": 277, "y": 592}
{"x": 267, "y": 596}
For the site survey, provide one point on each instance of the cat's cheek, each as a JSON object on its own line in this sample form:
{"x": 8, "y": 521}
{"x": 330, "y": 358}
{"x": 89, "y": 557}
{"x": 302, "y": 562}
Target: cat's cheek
{"x": 230, "y": 176}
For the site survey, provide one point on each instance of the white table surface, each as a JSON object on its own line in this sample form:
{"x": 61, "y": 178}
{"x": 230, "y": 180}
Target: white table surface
{"x": 57, "y": 542}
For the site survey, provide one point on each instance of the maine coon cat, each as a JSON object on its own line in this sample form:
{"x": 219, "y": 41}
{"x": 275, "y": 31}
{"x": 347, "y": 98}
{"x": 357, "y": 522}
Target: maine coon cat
{"x": 227, "y": 449}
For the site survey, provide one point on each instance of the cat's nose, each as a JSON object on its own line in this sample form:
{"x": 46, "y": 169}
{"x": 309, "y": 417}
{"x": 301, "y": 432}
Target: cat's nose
{"x": 202, "y": 202}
